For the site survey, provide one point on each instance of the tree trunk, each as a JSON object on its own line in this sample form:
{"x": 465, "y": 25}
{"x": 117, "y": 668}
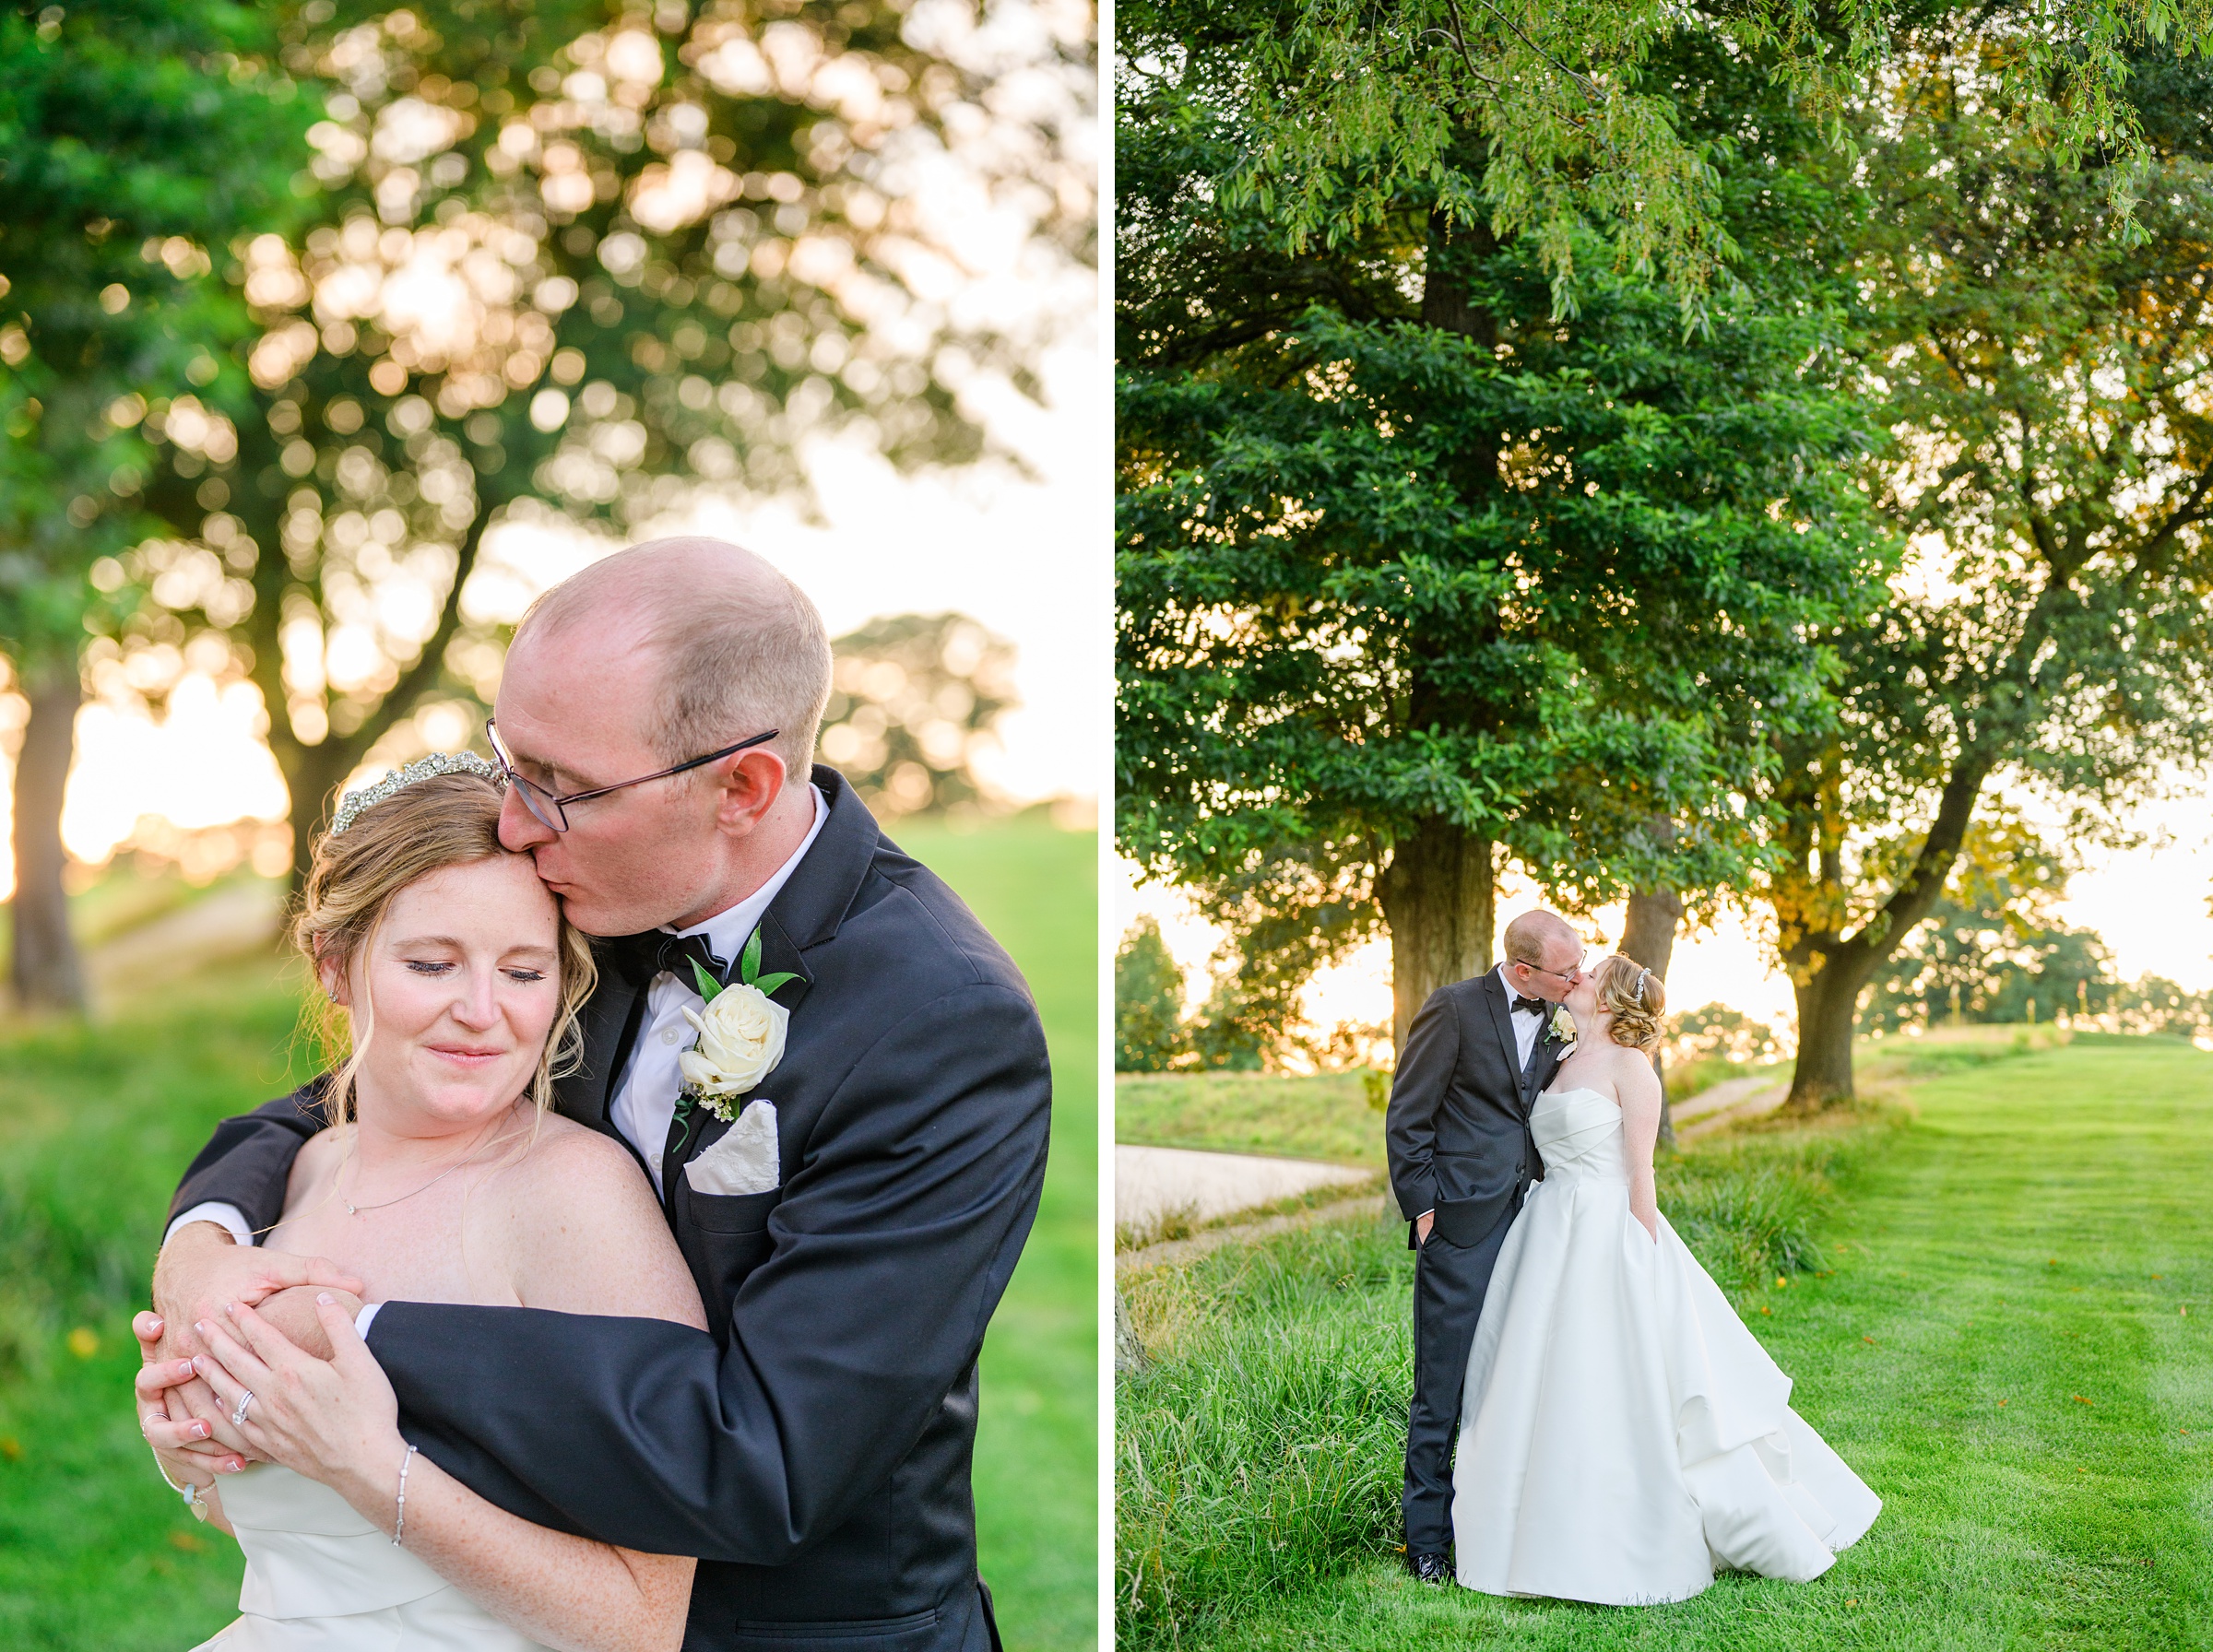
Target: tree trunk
{"x": 311, "y": 774}
{"x": 46, "y": 970}
{"x": 1650, "y": 938}
{"x": 1437, "y": 898}
{"x": 1828, "y": 1013}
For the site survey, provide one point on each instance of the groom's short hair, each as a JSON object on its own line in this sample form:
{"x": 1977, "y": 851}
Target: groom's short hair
{"x": 741, "y": 649}
{"x": 1526, "y": 936}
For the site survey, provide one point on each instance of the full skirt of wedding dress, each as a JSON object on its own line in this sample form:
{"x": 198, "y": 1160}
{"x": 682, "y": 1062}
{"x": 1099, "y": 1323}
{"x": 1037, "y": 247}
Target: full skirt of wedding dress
{"x": 1623, "y": 1435}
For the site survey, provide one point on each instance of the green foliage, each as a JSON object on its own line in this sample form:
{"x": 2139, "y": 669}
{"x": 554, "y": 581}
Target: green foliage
{"x": 1556, "y": 121}
{"x": 1994, "y": 950}
{"x": 133, "y": 133}
{"x": 912, "y": 697}
{"x": 1225, "y": 1034}
{"x": 1148, "y": 1002}
{"x": 1715, "y": 1030}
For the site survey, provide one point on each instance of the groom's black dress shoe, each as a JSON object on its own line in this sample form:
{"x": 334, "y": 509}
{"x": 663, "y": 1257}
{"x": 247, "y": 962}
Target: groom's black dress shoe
{"x": 1430, "y": 1568}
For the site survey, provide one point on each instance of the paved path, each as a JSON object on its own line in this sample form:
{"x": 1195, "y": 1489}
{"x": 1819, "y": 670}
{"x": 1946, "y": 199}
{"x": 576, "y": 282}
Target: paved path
{"x": 1175, "y": 1252}
{"x": 239, "y": 917}
{"x": 1727, "y": 1103}
{"x": 1153, "y": 1182}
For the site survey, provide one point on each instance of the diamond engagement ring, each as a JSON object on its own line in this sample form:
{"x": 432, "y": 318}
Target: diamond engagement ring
{"x": 238, "y": 1417}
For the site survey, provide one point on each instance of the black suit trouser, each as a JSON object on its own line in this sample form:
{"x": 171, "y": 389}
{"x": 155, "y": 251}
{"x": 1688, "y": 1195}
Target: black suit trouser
{"x": 1450, "y": 1282}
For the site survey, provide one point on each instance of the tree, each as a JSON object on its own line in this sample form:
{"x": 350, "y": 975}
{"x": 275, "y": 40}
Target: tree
{"x": 1148, "y": 1002}
{"x": 573, "y": 268}
{"x": 2053, "y": 633}
{"x": 132, "y": 134}
{"x": 912, "y": 697}
{"x": 1414, "y": 576}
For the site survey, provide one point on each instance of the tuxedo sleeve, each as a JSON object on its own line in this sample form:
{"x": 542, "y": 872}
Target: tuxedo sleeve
{"x": 889, "y": 1251}
{"x": 1417, "y": 1087}
{"x": 248, "y": 1162}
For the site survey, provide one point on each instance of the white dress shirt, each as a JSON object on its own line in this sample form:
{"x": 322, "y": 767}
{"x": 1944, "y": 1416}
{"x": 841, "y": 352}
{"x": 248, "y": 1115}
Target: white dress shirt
{"x": 646, "y": 1094}
{"x": 1528, "y": 1024}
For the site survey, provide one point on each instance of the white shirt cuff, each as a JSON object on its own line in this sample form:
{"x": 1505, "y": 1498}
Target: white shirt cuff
{"x": 361, "y": 1319}
{"x": 1430, "y": 1211}
{"x": 227, "y": 1217}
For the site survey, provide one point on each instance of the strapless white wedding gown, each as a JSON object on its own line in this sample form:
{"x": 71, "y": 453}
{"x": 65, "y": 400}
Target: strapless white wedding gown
{"x": 1623, "y": 1435}
{"x": 321, "y": 1579}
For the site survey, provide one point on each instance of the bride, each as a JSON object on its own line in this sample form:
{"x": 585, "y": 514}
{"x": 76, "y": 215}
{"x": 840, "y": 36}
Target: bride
{"x": 1622, "y": 1434}
{"x": 442, "y": 1178}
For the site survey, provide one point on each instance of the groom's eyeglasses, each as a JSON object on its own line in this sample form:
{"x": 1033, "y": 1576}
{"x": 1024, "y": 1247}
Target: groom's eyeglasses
{"x": 552, "y": 811}
{"x": 1538, "y": 969}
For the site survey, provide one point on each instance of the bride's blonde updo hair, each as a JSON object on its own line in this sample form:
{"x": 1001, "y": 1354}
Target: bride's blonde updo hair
{"x": 379, "y": 849}
{"x": 1635, "y": 998}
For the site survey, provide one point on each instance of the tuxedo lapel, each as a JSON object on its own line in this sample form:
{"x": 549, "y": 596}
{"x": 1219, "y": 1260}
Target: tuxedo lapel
{"x": 1544, "y": 1058}
{"x": 585, "y": 1094}
{"x": 780, "y": 956}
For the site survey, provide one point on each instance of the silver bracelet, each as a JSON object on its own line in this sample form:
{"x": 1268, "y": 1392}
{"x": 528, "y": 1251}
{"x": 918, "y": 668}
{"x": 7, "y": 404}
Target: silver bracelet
{"x": 400, "y": 1526}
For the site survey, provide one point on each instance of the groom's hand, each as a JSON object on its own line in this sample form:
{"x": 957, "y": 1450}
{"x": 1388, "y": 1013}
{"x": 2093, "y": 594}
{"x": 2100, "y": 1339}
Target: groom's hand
{"x": 1422, "y": 1224}
{"x": 201, "y": 1268}
{"x": 292, "y": 1312}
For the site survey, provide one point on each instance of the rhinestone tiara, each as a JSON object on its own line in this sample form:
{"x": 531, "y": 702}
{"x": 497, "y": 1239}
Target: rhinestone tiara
{"x": 439, "y": 763}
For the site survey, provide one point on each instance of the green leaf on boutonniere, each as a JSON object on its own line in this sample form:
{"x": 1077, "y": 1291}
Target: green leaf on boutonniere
{"x": 749, "y": 967}
{"x": 708, "y": 986}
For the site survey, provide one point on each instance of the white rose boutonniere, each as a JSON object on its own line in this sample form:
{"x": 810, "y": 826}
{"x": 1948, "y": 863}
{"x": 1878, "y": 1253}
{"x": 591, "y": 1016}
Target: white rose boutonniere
{"x": 1563, "y": 1024}
{"x": 741, "y": 1032}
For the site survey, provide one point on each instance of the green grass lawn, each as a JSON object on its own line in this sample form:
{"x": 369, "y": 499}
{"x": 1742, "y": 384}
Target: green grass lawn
{"x": 1326, "y": 1116}
{"x": 97, "y": 1122}
{"x": 1985, "y": 1314}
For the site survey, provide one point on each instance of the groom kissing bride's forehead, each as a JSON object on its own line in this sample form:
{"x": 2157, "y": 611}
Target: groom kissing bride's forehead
{"x": 811, "y": 1056}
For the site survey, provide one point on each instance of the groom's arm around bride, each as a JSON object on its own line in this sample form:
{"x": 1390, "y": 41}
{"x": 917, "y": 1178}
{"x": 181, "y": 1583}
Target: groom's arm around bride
{"x": 813, "y": 1448}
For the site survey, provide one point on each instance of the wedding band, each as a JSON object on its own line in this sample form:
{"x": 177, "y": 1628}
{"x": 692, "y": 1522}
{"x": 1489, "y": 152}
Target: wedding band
{"x": 238, "y": 1417}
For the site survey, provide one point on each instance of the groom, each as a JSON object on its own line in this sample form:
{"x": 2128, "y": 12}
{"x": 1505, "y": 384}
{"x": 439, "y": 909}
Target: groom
{"x": 813, "y": 1447}
{"x": 1462, "y": 1158}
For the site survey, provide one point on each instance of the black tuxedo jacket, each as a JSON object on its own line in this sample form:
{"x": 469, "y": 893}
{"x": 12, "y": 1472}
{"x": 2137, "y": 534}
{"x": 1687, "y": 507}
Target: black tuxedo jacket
{"x": 813, "y": 1448}
{"x": 1457, "y": 1130}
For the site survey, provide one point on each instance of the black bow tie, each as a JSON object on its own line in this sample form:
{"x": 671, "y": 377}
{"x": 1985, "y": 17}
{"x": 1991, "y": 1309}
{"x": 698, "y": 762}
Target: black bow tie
{"x": 1536, "y": 1007}
{"x": 639, "y": 958}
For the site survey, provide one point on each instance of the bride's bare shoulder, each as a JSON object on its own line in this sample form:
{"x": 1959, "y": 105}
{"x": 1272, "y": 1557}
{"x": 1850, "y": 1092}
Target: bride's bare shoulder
{"x": 566, "y": 1160}
{"x": 592, "y": 1236}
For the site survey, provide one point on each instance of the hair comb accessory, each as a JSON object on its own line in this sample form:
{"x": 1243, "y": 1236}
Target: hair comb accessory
{"x": 1642, "y": 976}
{"x": 423, "y": 768}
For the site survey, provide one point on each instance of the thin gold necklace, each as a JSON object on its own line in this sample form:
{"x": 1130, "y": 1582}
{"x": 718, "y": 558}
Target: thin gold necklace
{"x": 354, "y": 1209}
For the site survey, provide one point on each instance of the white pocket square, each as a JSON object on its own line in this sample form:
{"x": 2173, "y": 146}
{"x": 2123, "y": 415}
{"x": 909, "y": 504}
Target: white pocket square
{"x": 744, "y": 1160}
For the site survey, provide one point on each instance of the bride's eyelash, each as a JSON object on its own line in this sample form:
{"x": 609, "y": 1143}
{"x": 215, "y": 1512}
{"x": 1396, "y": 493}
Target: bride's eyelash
{"x": 527, "y": 977}
{"x": 428, "y": 966}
